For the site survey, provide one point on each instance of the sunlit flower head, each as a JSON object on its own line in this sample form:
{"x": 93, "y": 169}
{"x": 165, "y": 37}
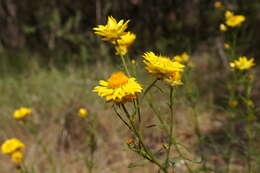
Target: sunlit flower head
{"x": 12, "y": 145}
{"x": 22, "y": 112}
{"x": 184, "y": 57}
{"x": 118, "y": 88}
{"x": 124, "y": 42}
{"x": 218, "y": 4}
{"x": 243, "y": 63}
{"x": 222, "y": 27}
{"x": 17, "y": 157}
{"x": 226, "y": 45}
{"x": 234, "y": 20}
{"x": 160, "y": 66}
{"x": 174, "y": 79}
{"x": 112, "y": 30}
{"x": 83, "y": 112}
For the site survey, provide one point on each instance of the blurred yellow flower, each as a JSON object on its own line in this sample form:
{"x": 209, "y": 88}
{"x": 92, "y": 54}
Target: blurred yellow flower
{"x": 184, "y": 57}
{"x": 83, "y": 112}
{"x": 249, "y": 103}
{"x": 17, "y": 157}
{"x": 226, "y": 45}
{"x": 243, "y": 63}
{"x": 234, "y": 20}
{"x": 112, "y": 30}
{"x": 12, "y": 145}
{"x": 174, "y": 79}
{"x": 233, "y": 103}
{"x": 124, "y": 42}
{"x": 218, "y": 4}
{"x": 133, "y": 61}
{"x": 223, "y": 27}
{"x": 118, "y": 88}
{"x": 22, "y": 112}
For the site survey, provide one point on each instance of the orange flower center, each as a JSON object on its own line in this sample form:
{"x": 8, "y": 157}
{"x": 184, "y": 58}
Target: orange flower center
{"x": 117, "y": 79}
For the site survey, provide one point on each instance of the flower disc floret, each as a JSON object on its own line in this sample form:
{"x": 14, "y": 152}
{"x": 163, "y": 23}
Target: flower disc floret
{"x": 12, "y": 145}
{"x": 160, "y": 66}
{"x": 112, "y": 30}
{"x": 118, "y": 88}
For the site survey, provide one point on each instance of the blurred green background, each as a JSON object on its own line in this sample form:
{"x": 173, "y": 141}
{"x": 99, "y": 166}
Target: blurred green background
{"x": 60, "y": 32}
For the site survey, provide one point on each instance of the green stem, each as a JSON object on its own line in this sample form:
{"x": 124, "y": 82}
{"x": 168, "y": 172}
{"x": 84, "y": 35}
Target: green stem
{"x": 171, "y": 129}
{"x": 125, "y": 66}
{"x": 137, "y": 134}
{"x": 148, "y": 89}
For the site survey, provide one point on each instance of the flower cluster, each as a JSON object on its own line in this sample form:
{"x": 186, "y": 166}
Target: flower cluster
{"x": 13, "y": 147}
{"x": 118, "y": 88}
{"x": 243, "y": 63}
{"x": 164, "y": 68}
{"x": 114, "y": 32}
{"x": 232, "y": 21}
{"x": 22, "y": 112}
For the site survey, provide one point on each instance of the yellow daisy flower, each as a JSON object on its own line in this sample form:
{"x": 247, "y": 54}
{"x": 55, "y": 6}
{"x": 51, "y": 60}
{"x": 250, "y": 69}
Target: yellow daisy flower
{"x": 124, "y": 42}
{"x": 184, "y": 57}
{"x": 17, "y": 157}
{"x": 164, "y": 68}
{"x": 83, "y": 112}
{"x": 112, "y": 30}
{"x": 222, "y": 27}
{"x": 234, "y": 20}
{"x": 218, "y": 4}
{"x": 243, "y": 63}
{"x": 226, "y": 45}
{"x": 22, "y": 112}
{"x": 118, "y": 88}
{"x": 12, "y": 145}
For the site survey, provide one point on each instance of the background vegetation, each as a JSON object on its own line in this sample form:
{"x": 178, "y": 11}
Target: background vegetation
{"x": 50, "y": 60}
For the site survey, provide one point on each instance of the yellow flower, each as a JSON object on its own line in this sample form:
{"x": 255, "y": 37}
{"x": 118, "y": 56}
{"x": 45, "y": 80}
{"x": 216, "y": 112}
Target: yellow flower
{"x": 22, "y": 112}
{"x": 163, "y": 68}
{"x": 223, "y": 27}
{"x": 243, "y": 63}
{"x": 12, "y": 145}
{"x": 249, "y": 103}
{"x": 174, "y": 79}
{"x": 17, "y": 157}
{"x": 233, "y": 103}
{"x": 133, "y": 61}
{"x": 124, "y": 42}
{"x": 112, "y": 30}
{"x": 234, "y": 20}
{"x": 83, "y": 112}
{"x": 218, "y": 4}
{"x": 184, "y": 57}
{"x": 160, "y": 66}
{"x": 226, "y": 45}
{"x": 118, "y": 88}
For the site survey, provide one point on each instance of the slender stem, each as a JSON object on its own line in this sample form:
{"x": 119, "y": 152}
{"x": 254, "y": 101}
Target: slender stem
{"x": 121, "y": 118}
{"x": 148, "y": 88}
{"x": 125, "y": 66}
{"x": 137, "y": 134}
{"x": 171, "y": 129}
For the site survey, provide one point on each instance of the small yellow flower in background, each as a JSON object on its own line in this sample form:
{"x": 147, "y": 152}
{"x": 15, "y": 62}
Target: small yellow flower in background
{"x": 234, "y": 20}
{"x": 184, "y": 57}
{"x": 222, "y": 27}
{"x": 243, "y": 63}
{"x": 133, "y": 61}
{"x": 218, "y": 4}
{"x": 130, "y": 141}
{"x": 112, "y": 30}
{"x": 22, "y": 112}
{"x": 164, "y": 68}
{"x": 226, "y": 45}
{"x": 83, "y": 112}
{"x": 233, "y": 103}
{"x": 12, "y": 145}
{"x": 17, "y": 157}
{"x": 118, "y": 88}
{"x": 124, "y": 42}
{"x": 249, "y": 103}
